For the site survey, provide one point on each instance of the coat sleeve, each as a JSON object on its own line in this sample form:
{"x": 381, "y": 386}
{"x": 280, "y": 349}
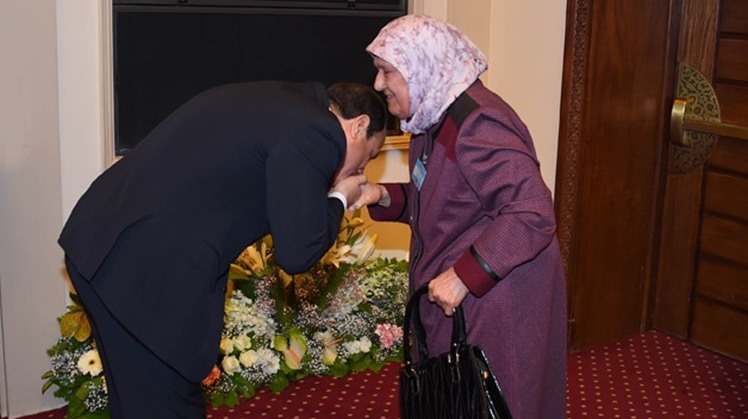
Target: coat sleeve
{"x": 501, "y": 169}
{"x": 397, "y": 211}
{"x": 304, "y": 222}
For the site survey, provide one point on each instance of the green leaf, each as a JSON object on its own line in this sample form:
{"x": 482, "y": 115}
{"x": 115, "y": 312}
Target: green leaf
{"x": 232, "y": 399}
{"x": 335, "y": 279}
{"x": 99, "y": 414}
{"x": 338, "y": 369}
{"x": 76, "y": 408}
{"x": 247, "y": 288}
{"x": 47, "y": 385}
{"x": 216, "y": 400}
{"x": 82, "y": 392}
{"x": 279, "y": 383}
{"x": 360, "y": 364}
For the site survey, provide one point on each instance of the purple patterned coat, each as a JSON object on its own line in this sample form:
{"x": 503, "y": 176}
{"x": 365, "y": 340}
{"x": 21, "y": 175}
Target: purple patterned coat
{"x": 483, "y": 188}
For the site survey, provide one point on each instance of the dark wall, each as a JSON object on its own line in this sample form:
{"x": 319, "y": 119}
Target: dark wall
{"x": 165, "y": 55}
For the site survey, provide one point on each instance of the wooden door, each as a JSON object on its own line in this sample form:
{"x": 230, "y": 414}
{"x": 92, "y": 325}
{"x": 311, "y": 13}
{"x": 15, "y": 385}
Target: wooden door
{"x": 629, "y": 227}
{"x": 702, "y": 280}
{"x": 617, "y": 67}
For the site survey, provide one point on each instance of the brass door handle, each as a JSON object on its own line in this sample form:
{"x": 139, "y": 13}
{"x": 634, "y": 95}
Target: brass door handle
{"x": 680, "y": 123}
{"x": 695, "y": 123}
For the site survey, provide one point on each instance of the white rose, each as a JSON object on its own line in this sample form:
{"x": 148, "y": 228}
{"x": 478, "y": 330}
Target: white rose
{"x": 242, "y": 343}
{"x": 365, "y": 344}
{"x": 227, "y": 346}
{"x": 230, "y": 365}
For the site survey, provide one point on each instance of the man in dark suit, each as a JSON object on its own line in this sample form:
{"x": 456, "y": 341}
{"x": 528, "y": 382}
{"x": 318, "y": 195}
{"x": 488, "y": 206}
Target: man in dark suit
{"x": 149, "y": 244}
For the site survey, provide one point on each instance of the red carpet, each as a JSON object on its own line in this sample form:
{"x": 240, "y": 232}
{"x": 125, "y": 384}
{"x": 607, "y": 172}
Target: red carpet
{"x": 655, "y": 376}
{"x": 647, "y": 376}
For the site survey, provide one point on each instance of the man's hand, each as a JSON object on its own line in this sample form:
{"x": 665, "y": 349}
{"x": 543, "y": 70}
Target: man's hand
{"x": 447, "y": 291}
{"x": 350, "y": 187}
{"x": 371, "y": 193}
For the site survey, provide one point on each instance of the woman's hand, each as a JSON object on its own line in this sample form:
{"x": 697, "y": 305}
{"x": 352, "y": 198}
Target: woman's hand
{"x": 447, "y": 291}
{"x": 351, "y": 187}
{"x": 371, "y": 193}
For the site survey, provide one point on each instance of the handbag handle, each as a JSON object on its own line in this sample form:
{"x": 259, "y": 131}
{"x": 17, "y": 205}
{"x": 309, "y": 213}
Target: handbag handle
{"x": 412, "y": 313}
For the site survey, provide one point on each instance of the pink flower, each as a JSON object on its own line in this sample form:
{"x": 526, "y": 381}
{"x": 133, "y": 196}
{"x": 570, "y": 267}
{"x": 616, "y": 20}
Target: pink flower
{"x": 388, "y": 334}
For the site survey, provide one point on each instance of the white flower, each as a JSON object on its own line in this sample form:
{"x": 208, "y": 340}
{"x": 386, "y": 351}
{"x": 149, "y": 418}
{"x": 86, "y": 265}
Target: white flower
{"x": 242, "y": 343}
{"x": 330, "y": 351}
{"x": 90, "y": 363}
{"x": 230, "y": 365}
{"x": 227, "y": 346}
{"x": 361, "y": 250}
{"x": 249, "y": 358}
{"x": 268, "y": 361}
{"x": 362, "y": 345}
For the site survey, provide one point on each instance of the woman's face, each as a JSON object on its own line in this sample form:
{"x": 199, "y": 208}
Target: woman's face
{"x": 392, "y": 83}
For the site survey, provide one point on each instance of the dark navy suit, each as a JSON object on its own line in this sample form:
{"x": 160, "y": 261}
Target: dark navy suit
{"x": 154, "y": 235}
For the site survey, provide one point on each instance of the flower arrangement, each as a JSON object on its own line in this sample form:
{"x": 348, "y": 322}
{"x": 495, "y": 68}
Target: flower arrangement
{"x": 344, "y": 315}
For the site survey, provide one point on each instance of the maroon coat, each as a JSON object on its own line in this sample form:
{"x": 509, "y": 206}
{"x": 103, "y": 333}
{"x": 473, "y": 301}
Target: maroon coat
{"x": 485, "y": 210}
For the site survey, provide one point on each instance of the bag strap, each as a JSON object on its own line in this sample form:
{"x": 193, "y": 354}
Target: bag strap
{"x": 412, "y": 314}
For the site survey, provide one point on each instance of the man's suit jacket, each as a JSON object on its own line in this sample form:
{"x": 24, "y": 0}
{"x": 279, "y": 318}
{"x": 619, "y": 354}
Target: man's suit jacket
{"x": 156, "y": 232}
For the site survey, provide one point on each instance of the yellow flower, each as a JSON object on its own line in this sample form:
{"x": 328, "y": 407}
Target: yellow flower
{"x": 285, "y": 278}
{"x": 255, "y": 259}
{"x": 336, "y": 254}
{"x": 355, "y": 222}
{"x": 90, "y": 363}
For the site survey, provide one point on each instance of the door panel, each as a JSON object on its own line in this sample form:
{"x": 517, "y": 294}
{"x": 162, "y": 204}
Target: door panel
{"x": 733, "y": 101}
{"x": 725, "y": 238}
{"x": 721, "y": 280}
{"x": 616, "y": 70}
{"x": 726, "y": 194}
{"x": 718, "y": 327}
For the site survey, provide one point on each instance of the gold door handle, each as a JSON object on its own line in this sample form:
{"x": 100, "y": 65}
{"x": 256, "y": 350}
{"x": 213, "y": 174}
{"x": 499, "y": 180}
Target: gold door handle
{"x": 695, "y": 123}
{"x": 679, "y": 123}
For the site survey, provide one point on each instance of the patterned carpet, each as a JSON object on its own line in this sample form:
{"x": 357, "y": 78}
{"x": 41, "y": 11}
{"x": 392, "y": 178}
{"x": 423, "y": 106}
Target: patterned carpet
{"x": 651, "y": 375}
{"x": 654, "y": 375}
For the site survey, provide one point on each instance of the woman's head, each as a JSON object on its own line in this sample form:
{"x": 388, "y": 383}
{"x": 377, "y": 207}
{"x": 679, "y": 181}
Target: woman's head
{"x": 423, "y": 65}
{"x": 363, "y": 116}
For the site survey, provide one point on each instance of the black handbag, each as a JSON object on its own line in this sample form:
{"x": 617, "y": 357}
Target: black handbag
{"x": 456, "y": 384}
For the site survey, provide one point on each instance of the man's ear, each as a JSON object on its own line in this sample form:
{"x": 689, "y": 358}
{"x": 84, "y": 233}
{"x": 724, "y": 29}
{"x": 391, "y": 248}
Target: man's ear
{"x": 362, "y": 124}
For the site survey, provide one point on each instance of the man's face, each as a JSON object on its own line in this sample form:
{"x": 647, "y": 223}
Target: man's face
{"x": 359, "y": 149}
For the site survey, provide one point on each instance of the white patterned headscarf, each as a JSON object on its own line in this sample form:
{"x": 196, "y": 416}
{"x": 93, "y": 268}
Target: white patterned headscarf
{"x": 437, "y": 60}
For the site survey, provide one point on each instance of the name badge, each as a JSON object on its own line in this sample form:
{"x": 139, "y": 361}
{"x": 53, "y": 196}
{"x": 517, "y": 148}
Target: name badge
{"x": 419, "y": 174}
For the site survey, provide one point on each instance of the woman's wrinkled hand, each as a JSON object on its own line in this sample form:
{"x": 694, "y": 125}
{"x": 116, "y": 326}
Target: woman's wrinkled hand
{"x": 371, "y": 193}
{"x": 447, "y": 291}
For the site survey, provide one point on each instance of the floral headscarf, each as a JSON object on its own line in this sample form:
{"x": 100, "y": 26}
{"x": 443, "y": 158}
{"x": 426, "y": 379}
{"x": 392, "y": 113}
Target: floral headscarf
{"x": 437, "y": 60}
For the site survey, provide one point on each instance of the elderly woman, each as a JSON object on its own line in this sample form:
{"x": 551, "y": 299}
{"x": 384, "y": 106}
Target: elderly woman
{"x": 481, "y": 217}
